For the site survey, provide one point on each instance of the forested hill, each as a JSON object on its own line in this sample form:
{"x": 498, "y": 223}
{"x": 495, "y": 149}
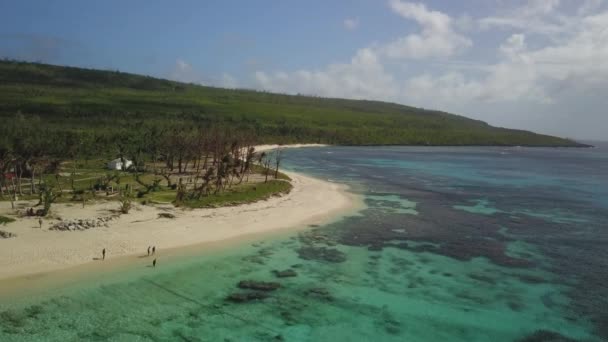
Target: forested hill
{"x": 109, "y": 104}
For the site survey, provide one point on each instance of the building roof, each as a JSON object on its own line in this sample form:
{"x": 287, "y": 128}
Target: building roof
{"x": 117, "y": 160}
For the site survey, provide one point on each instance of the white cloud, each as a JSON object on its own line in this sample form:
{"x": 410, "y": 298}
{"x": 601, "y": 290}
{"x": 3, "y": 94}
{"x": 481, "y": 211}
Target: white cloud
{"x": 515, "y": 44}
{"x": 363, "y": 77}
{"x": 437, "y": 38}
{"x": 182, "y": 65}
{"x": 228, "y": 81}
{"x": 583, "y": 55}
{"x": 351, "y": 23}
{"x": 533, "y": 16}
{"x": 589, "y": 6}
{"x": 539, "y": 7}
{"x": 539, "y": 75}
{"x": 183, "y": 72}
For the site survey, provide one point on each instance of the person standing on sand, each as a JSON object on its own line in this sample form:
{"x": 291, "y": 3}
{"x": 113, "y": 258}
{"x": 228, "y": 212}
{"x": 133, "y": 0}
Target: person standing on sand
{"x": 153, "y": 250}
{"x": 40, "y": 222}
{"x": 148, "y": 250}
{"x": 154, "y": 263}
{"x": 103, "y": 254}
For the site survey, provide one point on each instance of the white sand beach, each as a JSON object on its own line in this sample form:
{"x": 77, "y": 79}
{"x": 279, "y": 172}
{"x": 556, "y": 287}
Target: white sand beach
{"x": 40, "y": 250}
{"x": 260, "y": 148}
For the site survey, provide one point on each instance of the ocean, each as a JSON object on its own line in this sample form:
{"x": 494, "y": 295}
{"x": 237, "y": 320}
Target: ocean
{"x": 455, "y": 244}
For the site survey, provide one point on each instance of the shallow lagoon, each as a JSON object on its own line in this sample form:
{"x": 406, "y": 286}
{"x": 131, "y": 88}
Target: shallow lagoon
{"x": 457, "y": 244}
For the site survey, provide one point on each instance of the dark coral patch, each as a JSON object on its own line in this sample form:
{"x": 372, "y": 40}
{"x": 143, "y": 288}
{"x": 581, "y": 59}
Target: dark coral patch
{"x": 321, "y": 254}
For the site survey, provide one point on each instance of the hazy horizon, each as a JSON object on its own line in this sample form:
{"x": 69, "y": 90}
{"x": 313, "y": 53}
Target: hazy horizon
{"x": 526, "y": 64}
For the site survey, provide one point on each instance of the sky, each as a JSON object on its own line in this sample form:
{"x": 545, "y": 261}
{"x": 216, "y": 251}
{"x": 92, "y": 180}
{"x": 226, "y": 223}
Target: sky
{"x": 540, "y": 65}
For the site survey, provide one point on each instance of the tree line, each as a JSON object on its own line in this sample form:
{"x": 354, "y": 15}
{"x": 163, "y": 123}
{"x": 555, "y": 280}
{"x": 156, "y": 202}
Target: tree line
{"x": 196, "y": 161}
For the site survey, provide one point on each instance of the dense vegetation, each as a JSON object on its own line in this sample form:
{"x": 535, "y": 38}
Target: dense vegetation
{"x": 245, "y": 194}
{"x": 193, "y": 167}
{"x": 85, "y": 111}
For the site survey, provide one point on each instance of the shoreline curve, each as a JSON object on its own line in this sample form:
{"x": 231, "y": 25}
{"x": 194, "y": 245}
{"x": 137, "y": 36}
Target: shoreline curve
{"x": 38, "y": 253}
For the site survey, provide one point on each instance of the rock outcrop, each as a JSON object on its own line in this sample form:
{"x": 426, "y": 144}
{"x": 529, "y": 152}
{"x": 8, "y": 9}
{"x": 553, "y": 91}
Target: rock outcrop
{"x": 83, "y": 224}
{"x": 6, "y": 235}
{"x": 166, "y": 215}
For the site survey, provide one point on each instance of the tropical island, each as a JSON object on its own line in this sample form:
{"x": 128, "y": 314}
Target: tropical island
{"x": 85, "y": 150}
{"x": 66, "y": 217}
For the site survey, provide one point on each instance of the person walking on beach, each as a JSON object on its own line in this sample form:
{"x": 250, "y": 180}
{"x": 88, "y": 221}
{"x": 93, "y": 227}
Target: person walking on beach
{"x": 154, "y": 263}
{"x": 103, "y": 254}
{"x": 148, "y": 250}
{"x": 40, "y": 222}
{"x": 153, "y": 250}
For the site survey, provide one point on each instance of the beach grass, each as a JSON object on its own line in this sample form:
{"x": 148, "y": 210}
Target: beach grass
{"x": 4, "y": 220}
{"x": 248, "y": 193}
{"x": 77, "y": 180}
{"x": 164, "y": 196}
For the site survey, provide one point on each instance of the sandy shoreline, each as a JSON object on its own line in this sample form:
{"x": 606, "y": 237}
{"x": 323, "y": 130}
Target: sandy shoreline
{"x": 260, "y": 148}
{"x": 35, "y": 250}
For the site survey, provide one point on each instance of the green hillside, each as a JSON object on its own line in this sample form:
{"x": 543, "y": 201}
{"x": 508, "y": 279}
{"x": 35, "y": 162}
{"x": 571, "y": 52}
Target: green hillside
{"x": 108, "y": 105}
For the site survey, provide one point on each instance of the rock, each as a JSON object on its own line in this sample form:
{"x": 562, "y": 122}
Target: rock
{"x": 243, "y": 297}
{"x": 166, "y": 215}
{"x": 82, "y": 224}
{"x": 258, "y": 285}
{"x": 6, "y": 235}
{"x": 284, "y": 274}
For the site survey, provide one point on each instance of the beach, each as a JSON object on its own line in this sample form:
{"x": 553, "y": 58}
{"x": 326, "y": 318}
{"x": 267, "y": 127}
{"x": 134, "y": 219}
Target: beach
{"x": 450, "y": 246}
{"x": 39, "y": 250}
{"x": 261, "y": 148}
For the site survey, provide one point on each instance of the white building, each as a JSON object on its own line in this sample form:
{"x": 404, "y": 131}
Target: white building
{"x": 116, "y": 164}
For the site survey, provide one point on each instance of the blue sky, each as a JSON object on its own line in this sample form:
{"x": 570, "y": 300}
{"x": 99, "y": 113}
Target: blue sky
{"x": 531, "y": 64}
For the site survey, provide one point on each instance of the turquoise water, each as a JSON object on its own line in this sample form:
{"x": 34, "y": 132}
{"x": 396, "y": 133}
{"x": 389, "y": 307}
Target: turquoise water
{"x": 457, "y": 244}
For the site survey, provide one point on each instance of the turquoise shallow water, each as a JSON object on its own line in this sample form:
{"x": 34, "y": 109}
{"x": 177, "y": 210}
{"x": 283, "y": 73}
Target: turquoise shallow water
{"x": 467, "y": 244}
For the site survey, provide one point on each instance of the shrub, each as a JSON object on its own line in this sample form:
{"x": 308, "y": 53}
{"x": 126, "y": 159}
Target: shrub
{"x": 125, "y": 205}
{"x": 4, "y": 220}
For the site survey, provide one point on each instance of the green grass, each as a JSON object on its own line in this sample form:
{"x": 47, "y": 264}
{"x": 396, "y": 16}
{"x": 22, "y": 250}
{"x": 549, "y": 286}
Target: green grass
{"x": 4, "y": 220}
{"x": 165, "y": 196}
{"x": 244, "y": 194}
{"x": 87, "y": 173}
